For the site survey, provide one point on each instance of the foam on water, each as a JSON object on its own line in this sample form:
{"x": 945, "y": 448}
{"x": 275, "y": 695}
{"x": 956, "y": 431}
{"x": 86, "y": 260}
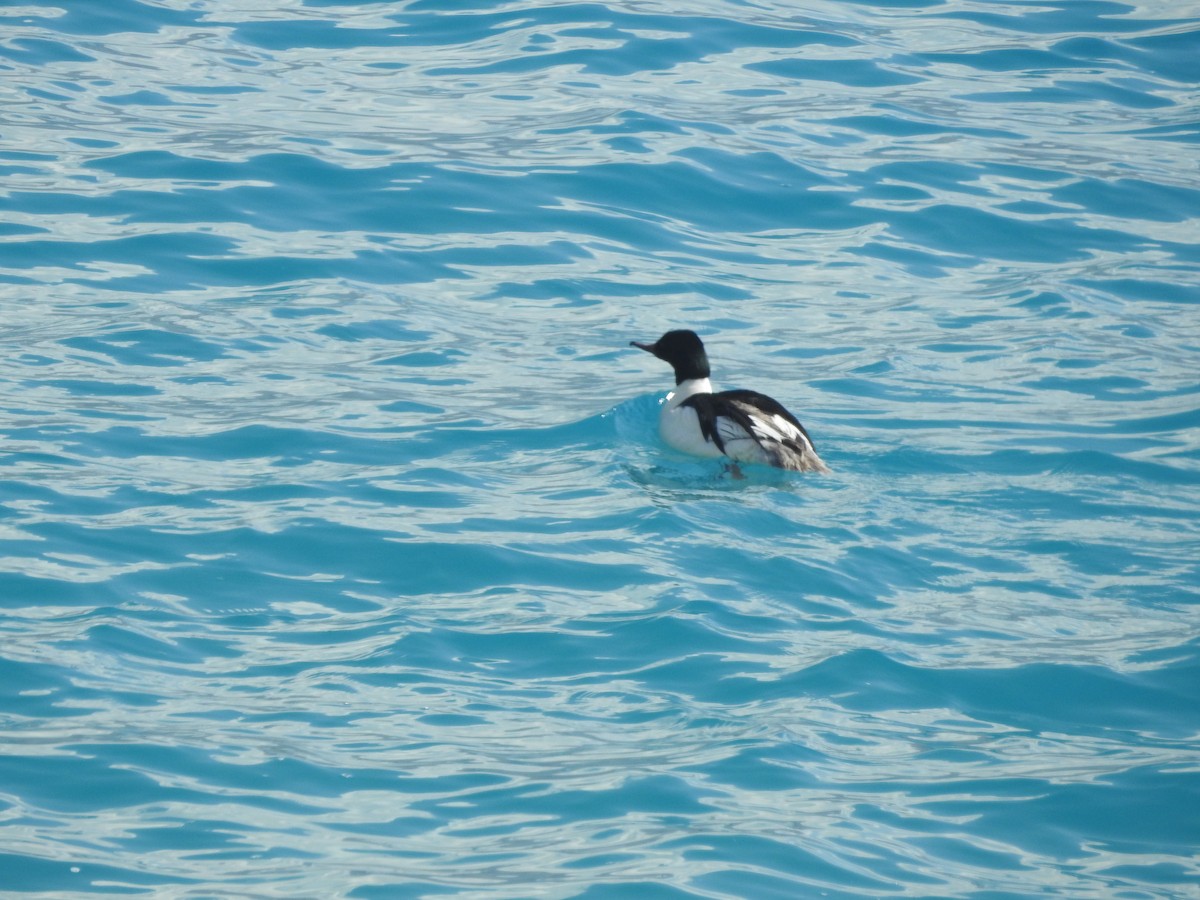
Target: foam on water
{"x": 339, "y": 555}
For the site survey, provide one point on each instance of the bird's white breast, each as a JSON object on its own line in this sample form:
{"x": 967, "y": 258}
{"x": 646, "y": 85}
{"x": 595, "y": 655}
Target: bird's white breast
{"x": 680, "y": 428}
{"x": 680, "y": 425}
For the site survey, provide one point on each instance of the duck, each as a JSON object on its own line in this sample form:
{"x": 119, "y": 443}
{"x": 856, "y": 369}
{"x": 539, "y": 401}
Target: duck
{"x": 743, "y": 426}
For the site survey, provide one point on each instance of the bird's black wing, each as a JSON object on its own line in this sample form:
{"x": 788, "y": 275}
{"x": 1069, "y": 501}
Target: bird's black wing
{"x": 710, "y": 407}
{"x": 768, "y": 405}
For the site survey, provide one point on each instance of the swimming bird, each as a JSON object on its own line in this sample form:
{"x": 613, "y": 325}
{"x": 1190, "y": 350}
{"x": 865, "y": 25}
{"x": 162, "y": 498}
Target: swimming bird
{"x": 744, "y": 426}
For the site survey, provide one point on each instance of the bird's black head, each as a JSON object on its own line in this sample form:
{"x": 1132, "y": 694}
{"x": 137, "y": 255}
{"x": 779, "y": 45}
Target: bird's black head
{"x": 683, "y": 350}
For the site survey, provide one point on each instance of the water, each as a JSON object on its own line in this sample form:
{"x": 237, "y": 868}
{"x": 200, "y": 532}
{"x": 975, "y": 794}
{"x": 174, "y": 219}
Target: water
{"x": 341, "y": 557}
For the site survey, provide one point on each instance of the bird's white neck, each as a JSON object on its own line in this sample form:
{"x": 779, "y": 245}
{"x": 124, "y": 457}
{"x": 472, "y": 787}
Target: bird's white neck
{"x": 687, "y": 389}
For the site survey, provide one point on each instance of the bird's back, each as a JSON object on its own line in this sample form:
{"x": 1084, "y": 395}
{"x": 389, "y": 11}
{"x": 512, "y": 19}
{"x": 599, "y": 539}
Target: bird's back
{"x": 751, "y": 427}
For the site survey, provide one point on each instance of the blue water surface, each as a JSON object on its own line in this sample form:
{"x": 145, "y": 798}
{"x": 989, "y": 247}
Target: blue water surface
{"x": 339, "y": 553}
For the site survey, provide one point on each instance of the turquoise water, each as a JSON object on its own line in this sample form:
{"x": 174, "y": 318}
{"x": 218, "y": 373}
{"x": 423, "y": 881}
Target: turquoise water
{"x": 340, "y": 557}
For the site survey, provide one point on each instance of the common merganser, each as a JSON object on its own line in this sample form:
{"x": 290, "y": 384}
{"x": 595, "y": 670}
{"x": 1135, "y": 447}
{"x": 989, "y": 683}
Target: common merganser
{"x": 744, "y": 426}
